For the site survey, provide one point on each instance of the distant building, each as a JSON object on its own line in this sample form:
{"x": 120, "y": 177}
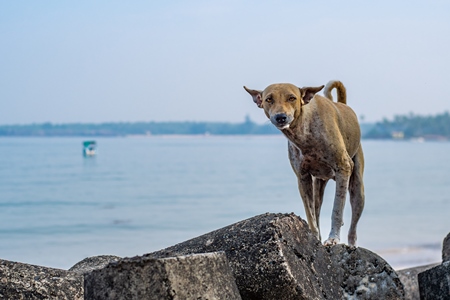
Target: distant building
{"x": 397, "y": 135}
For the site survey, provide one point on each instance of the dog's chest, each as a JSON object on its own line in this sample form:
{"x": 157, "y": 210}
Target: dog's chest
{"x": 317, "y": 167}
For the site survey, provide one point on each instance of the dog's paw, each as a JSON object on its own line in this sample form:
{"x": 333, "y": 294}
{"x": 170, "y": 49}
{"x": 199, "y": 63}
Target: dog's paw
{"x": 352, "y": 240}
{"x": 331, "y": 241}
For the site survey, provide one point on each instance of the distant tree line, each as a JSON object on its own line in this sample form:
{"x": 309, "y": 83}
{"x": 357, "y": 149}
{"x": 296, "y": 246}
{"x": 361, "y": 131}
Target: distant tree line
{"x": 137, "y": 128}
{"x": 409, "y": 126}
{"x": 412, "y": 126}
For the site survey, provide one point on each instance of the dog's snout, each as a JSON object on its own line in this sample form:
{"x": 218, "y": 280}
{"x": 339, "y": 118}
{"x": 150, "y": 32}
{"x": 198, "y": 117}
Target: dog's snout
{"x": 281, "y": 118}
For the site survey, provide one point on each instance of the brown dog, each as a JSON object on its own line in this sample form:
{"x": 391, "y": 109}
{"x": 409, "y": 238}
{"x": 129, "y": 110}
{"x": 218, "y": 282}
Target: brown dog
{"x": 324, "y": 142}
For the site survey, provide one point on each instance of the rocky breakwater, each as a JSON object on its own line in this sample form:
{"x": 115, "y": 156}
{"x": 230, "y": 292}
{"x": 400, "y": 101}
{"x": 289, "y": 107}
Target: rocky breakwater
{"x": 275, "y": 256}
{"x": 270, "y": 256}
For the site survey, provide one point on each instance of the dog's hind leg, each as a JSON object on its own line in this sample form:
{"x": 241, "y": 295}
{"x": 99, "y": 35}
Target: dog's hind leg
{"x": 342, "y": 183}
{"x": 356, "y": 189}
{"x": 318, "y": 191}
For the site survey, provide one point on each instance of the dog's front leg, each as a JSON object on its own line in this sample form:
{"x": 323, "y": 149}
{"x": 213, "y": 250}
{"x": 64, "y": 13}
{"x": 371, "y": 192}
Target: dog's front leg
{"x": 342, "y": 181}
{"x": 305, "y": 185}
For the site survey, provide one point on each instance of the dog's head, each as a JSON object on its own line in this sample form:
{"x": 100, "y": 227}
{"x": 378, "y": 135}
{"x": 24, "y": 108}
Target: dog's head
{"x": 282, "y": 102}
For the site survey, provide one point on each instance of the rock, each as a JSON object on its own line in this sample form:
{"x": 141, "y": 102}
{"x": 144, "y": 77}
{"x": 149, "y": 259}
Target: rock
{"x": 366, "y": 275}
{"x": 275, "y": 256}
{"x": 410, "y": 282}
{"x": 24, "y": 281}
{"x": 92, "y": 263}
{"x": 446, "y": 248}
{"x": 435, "y": 282}
{"x": 201, "y": 276}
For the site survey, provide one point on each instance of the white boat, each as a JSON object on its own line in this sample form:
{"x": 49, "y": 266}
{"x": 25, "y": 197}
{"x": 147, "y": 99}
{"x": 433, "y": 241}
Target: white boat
{"x": 89, "y": 148}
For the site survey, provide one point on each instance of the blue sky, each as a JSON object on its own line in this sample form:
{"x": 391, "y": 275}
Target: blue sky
{"x": 102, "y": 61}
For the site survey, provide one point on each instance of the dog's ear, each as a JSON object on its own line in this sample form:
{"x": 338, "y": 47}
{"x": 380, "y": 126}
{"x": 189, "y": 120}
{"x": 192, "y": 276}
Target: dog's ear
{"x": 309, "y": 92}
{"x": 256, "y": 95}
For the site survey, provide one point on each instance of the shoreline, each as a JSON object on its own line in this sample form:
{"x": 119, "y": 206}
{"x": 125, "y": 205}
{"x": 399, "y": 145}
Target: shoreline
{"x": 411, "y": 256}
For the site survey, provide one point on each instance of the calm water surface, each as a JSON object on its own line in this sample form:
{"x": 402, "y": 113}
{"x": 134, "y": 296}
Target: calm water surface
{"x": 143, "y": 194}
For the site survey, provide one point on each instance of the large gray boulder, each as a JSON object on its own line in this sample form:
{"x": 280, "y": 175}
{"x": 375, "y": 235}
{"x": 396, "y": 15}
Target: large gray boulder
{"x": 24, "y": 281}
{"x": 275, "y": 256}
{"x": 434, "y": 283}
{"x": 200, "y": 276}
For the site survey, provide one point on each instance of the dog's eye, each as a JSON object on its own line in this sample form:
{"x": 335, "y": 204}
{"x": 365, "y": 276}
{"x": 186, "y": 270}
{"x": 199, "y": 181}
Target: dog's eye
{"x": 269, "y": 100}
{"x": 292, "y": 99}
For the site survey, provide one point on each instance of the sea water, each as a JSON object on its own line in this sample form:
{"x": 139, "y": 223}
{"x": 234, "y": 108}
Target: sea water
{"x": 141, "y": 194}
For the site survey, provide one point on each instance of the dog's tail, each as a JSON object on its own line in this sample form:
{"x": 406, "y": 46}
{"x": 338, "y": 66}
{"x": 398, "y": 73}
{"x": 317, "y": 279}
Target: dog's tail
{"x": 340, "y": 88}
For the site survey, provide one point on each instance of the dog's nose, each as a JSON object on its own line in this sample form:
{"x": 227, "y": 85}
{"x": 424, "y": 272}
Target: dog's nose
{"x": 281, "y": 118}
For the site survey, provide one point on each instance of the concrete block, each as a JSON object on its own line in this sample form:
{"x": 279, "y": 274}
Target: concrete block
{"x": 201, "y": 276}
{"x": 410, "y": 282}
{"x": 23, "y": 281}
{"x": 93, "y": 263}
{"x": 446, "y": 249}
{"x": 434, "y": 284}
